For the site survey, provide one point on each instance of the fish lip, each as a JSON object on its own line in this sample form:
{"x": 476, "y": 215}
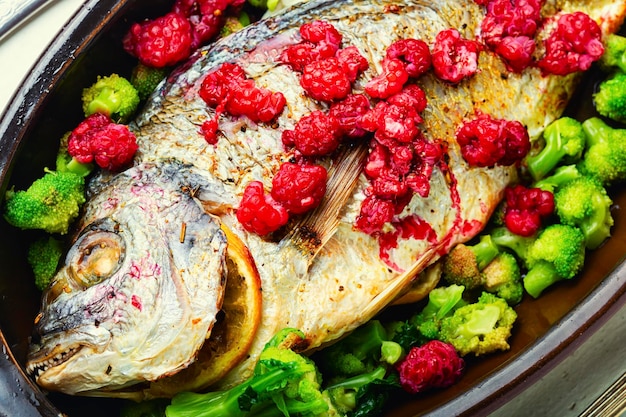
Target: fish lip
{"x": 40, "y": 362}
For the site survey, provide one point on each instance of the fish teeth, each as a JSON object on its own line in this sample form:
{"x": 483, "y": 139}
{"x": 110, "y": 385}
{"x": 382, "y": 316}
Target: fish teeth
{"x": 35, "y": 369}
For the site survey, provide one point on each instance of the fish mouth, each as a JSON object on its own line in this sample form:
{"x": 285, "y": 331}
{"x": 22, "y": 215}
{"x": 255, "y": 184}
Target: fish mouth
{"x": 41, "y": 362}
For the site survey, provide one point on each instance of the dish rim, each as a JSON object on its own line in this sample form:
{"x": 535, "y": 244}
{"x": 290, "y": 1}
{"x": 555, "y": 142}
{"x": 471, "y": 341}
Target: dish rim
{"x": 79, "y": 33}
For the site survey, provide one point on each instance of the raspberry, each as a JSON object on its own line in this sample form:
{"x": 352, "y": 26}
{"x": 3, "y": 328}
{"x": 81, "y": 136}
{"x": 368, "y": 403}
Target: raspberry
{"x": 389, "y": 186}
{"x": 414, "y": 53}
{"x": 349, "y": 112}
{"x": 209, "y": 131}
{"x": 206, "y": 17}
{"x": 486, "y": 142}
{"x": 161, "y": 42}
{"x": 390, "y": 81}
{"x": 509, "y": 27}
{"x": 258, "y": 212}
{"x": 299, "y": 187}
{"x": 401, "y": 159}
{"x": 299, "y": 55}
{"x": 112, "y": 146}
{"x": 525, "y": 208}
{"x": 377, "y": 160}
{"x": 315, "y": 134}
{"x": 390, "y": 121}
{"x": 375, "y": 212}
{"x": 321, "y": 32}
{"x": 410, "y": 96}
{"x": 352, "y": 61}
{"x": 215, "y": 86}
{"x": 573, "y": 46}
{"x": 435, "y": 364}
{"x": 325, "y": 80}
{"x": 453, "y": 57}
{"x": 229, "y": 86}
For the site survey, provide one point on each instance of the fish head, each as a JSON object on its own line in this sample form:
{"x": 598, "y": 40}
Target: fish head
{"x": 140, "y": 287}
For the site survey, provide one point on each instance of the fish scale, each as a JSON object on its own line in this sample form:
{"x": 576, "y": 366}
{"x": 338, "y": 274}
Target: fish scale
{"x": 348, "y": 281}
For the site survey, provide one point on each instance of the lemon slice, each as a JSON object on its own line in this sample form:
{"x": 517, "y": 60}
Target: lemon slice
{"x": 231, "y": 335}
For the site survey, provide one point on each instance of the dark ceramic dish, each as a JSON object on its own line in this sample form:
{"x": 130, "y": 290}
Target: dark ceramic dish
{"x": 48, "y": 104}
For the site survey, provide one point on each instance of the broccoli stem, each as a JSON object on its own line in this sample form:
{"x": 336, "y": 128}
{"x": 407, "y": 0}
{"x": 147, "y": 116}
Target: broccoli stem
{"x": 361, "y": 380}
{"x": 485, "y": 251}
{"x": 540, "y": 277}
{"x": 504, "y": 238}
{"x": 107, "y": 102}
{"x": 367, "y": 339}
{"x": 227, "y": 403}
{"x": 561, "y": 176}
{"x": 390, "y": 352}
{"x": 596, "y": 131}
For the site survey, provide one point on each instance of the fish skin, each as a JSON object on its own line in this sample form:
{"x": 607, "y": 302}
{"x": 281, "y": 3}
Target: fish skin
{"x": 157, "y": 284}
{"x": 347, "y": 283}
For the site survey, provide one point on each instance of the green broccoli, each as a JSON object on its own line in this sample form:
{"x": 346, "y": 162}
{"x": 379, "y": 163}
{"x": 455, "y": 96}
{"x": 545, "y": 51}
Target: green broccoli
{"x": 364, "y": 394}
{"x": 557, "y": 253}
{"x": 610, "y": 97}
{"x": 503, "y": 278}
{"x": 564, "y": 144}
{"x": 511, "y": 242}
{"x": 283, "y": 383}
{"x": 66, "y": 163}
{"x": 464, "y": 263}
{"x": 43, "y": 256}
{"x": 113, "y": 95}
{"x": 481, "y": 327}
{"x": 605, "y": 157}
{"x": 355, "y": 354}
{"x": 145, "y": 79}
{"x": 51, "y": 202}
{"x": 614, "y": 56}
{"x": 561, "y": 176}
{"x": 234, "y": 24}
{"x": 425, "y": 325}
{"x": 585, "y": 204}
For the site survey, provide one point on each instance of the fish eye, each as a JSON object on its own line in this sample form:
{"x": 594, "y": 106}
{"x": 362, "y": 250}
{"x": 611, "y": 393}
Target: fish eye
{"x": 95, "y": 257}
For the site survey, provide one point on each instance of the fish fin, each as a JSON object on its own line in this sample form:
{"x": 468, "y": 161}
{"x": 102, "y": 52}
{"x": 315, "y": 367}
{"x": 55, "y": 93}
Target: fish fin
{"x": 310, "y": 232}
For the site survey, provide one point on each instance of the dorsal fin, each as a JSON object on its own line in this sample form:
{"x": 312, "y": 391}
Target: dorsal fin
{"x": 310, "y": 232}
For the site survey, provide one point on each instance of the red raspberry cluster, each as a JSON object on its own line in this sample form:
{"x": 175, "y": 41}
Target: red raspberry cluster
{"x": 573, "y": 46}
{"x": 169, "y": 39}
{"x": 486, "y": 141}
{"x": 296, "y": 189}
{"x": 525, "y": 208}
{"x": 228, "y": 89}
{"x": 435, "y": 364}
{"x": 97, "y": 139}
{"x": 328, "y": 70}
{"x": 509, "y": 29}
{"x": 454, "y": 57}
{"x": 510, "y": 26}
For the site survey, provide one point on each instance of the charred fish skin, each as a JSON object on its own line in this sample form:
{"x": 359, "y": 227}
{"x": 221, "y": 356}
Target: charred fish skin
{"x": 145, "y": 275}
{"x": 348, "y": 282}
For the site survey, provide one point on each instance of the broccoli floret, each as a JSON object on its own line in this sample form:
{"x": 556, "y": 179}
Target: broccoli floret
{"x": 605, "y": 157}
{"x": 503, "y": 278}
{"x": 584, "y": 203}
{"x": 145, "y": 79}
{"x": 561, "y": 176}
{"x": 424, "y": 325}
{"x": 564, "y": 144}
{"x": 511, "y": 242}
{"x": 610, "y": 97}
{"x": 481, "y": 327}
{"x": 43, "y": 256}
{"x": 614, "y": 56}
{"x": 67, "y": 163}
{"x": 558, "y": 253}
{"x": 113, "y": 96}
{"x": 343, "y": 395}
{"x": 51, "y": 202}
{"x": 234, "y": 24}
{"x": 283, "y": 382}
{"x": 464, "y": 263}
{"x": 355, "y": 354}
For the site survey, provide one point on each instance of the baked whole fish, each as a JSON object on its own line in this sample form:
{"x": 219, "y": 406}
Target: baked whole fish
{"x": 159, "y": 245}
